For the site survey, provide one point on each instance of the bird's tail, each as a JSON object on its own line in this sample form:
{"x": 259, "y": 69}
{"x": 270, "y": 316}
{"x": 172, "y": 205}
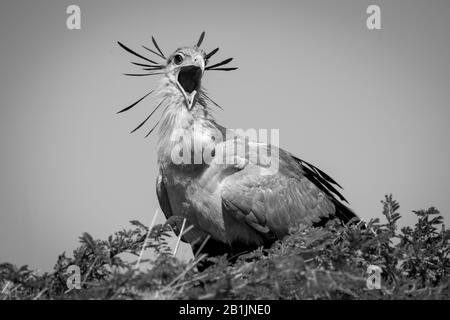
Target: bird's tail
{"x": 345, "y": 214}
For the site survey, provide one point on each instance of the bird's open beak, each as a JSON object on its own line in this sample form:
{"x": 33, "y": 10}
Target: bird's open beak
{"x": 189, "y": 80}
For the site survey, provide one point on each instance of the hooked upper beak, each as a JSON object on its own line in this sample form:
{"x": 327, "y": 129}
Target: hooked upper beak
{"x": 189, "y": 79}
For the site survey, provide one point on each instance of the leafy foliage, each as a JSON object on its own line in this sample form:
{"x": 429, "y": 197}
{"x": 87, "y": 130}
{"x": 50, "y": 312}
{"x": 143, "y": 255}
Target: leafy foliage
{"x": 311, "y": 263}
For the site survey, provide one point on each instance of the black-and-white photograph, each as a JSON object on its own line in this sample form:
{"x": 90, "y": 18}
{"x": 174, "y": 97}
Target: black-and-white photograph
{"x": 224, "y": 150}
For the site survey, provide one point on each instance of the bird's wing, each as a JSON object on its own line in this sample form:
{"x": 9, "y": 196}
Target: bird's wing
{"x": 174, "y": 221}
{"x": 194, "y": 236}
{"x": 296, "y": 193}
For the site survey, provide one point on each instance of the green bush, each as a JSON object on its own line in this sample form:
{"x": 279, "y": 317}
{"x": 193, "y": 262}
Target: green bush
{"x": 312, "y": 263}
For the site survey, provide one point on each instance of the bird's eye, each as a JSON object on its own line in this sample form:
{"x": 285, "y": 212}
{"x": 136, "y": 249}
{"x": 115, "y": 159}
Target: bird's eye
{"x": 178, "y": 58}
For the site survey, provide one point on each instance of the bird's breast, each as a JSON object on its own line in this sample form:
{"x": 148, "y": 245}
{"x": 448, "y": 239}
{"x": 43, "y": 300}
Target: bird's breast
{"x": 191, "y": 199}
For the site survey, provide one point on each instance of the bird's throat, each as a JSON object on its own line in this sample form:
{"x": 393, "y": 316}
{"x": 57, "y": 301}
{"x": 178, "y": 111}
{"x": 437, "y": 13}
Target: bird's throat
{"x": 186, "y": 137}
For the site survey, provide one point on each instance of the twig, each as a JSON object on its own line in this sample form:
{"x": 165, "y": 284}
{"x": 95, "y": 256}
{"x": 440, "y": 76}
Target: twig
{"x": 202, "y": 245}
{"x": 89, "y": 271}
{"x": 179, "y": 238}
{"x": 6, "y": 286}
{"x": 181, "y": 275}
{"x": 40, "y": 294}
{"x": 138, "y": 262}
{"x": 190, "y": 281}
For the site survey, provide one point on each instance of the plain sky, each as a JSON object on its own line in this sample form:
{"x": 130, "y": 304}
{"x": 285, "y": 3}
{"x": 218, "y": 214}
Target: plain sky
{"x": 371, "y": 108}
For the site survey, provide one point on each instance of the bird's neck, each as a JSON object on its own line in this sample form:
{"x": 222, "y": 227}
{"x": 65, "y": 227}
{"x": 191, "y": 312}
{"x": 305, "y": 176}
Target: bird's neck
{"x": 183, "y": 133}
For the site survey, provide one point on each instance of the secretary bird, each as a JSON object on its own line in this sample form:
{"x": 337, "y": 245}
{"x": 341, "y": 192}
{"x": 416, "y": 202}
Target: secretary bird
{"x": 235, "y": 201}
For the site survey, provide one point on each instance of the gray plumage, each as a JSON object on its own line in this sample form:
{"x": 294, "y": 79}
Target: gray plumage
{"x": 241, "y": 203}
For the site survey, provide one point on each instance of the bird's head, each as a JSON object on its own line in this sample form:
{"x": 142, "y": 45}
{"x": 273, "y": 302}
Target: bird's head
{"x": 183, "y": 71}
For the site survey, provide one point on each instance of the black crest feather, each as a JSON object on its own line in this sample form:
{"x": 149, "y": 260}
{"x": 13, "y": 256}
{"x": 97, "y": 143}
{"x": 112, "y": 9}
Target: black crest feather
{"x": 202, "y": 36}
